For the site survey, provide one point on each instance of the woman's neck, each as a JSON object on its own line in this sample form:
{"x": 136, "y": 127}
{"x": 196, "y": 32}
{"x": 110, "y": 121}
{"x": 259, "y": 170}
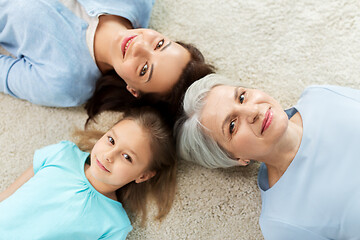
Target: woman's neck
{"x": 286, "y": 151}
{"x": 106, "y": 31}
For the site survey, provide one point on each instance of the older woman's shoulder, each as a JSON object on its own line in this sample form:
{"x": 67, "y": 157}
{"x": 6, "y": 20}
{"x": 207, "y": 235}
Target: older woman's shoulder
{"x": 328, "y": 90}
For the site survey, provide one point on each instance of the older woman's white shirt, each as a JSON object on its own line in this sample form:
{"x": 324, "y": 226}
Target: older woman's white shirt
{"x": 318, "y": 197}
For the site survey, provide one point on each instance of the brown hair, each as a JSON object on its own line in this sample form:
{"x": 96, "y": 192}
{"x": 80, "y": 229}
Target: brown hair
{"x": 162, "y": 186}
{"x": 111, "y": 93}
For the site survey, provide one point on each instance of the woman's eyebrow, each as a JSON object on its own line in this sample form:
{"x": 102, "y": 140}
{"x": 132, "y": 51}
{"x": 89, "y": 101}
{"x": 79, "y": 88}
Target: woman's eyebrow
{"x": 152, "y": 65}
{"x": 150, "y": 74}
{"x": 167, "y": 45}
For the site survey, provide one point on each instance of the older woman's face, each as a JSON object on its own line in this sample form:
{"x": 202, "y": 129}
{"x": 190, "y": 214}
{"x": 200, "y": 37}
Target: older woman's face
{"x": 247, "y": 123}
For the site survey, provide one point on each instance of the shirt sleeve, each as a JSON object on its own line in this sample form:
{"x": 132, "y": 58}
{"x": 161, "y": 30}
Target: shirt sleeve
{"x": 346, "y": 92}
{"x": 46, "y": 44}
{"x": 21, "y": 78}
{"x": 276, "y": 230}
{"x": 120, "y": 234}
{"x": 45, "y": 155}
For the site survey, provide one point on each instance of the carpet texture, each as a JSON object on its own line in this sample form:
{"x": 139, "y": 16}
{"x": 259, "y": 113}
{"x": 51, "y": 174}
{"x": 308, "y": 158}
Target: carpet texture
{"x": 278, "y": 46}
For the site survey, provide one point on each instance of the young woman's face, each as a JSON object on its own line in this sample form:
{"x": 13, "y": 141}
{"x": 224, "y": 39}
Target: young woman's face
{"x": 121, "y": 156}
{"x": 148, "y": 61}
{"x": 247, "y": 123}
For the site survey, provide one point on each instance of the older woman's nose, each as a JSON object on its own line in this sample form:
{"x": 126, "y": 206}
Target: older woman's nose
{"x": 250, "y": 112}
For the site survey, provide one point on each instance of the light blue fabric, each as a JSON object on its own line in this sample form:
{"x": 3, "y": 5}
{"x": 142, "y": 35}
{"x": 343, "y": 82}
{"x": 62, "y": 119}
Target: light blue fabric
{"x": 60, "y": 203}
{"x": 318, "y": 195}
{"x": 53, "y": 65}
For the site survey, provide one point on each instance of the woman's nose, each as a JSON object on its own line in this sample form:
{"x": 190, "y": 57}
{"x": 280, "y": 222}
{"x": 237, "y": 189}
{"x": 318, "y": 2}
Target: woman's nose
{"x": 141, "y": 48}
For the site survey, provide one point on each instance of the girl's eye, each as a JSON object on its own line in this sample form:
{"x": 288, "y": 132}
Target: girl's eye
{"x": 242, "y": 97}
{"x": 160, "y": 44}
{"x": 111, "y": 140}
{"x": 127, "y": 157}
{"x": 144, "y": 70}
{"x": 232, "y": 127}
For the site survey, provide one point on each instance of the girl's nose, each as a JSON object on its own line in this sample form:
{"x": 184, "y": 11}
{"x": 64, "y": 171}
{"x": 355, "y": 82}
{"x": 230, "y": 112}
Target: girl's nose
{"x": 108, "y": 156}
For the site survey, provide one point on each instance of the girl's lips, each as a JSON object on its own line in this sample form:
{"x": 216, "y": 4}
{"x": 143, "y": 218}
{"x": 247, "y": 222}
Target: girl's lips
{"x": 126, "y": 43}
{"x": 267, "y": 120}
{"x": 101, "y": 166}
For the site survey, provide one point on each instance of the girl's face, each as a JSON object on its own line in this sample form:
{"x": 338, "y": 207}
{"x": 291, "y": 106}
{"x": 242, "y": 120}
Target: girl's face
{"x": 147, "y": 61}
{"x": 247, "y": 123}
{"x": 121, "y": 156}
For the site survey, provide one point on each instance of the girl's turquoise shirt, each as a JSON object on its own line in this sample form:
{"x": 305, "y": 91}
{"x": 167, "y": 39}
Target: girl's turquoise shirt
{"x": 60, "y": 203}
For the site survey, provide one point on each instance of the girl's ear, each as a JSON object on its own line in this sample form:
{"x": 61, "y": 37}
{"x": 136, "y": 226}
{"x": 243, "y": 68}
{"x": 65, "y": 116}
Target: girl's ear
{"x": 133, "y": 91}
{"x": 243, "y": 162}
{"x": 145, "y": 176}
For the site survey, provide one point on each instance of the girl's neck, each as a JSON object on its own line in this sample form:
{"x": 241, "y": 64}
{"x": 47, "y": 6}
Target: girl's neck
{"x": 106, "y": 31}
{"x": 286, "y": 151}
{"x": 100, "y": 187}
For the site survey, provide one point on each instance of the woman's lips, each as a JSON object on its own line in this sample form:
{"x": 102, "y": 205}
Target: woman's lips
{"x": 267, "y": 120}
{"x": 101, "y": 166}
{"x": 126, "y": 43}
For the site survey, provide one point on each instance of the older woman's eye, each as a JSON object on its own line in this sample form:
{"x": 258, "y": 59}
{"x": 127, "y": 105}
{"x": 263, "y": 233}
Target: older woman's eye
{"x": 127, "y": 157}
{"x": 111, "y": 140}
{"x": 160, "y": 44}
{"x": 242, "y": 97}
{"x": 144, "y": 70}
{"x": 232, "y": 127}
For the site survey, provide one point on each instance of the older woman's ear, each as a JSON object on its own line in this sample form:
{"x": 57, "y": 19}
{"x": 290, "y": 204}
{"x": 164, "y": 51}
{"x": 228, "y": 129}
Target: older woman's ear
{"x": 243, "y": 162}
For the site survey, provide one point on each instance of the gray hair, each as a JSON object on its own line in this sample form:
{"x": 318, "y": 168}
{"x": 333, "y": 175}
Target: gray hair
{"x": 193, "y": 143}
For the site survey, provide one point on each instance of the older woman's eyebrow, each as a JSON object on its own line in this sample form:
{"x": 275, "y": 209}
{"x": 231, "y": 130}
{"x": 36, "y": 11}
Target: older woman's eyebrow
{"x": 226, "y": 120}
{"x": 230, "y": 116}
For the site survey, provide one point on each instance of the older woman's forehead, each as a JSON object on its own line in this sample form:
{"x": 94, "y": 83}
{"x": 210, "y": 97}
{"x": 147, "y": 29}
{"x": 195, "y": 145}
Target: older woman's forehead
{"x": 217, "y": 107}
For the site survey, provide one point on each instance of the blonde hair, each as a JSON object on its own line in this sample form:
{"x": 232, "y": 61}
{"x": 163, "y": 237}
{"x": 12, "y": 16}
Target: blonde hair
{"x": 162, "y": 186}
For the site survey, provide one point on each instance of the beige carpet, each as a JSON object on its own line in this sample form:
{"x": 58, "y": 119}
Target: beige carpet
{"x": 279, "y": 46}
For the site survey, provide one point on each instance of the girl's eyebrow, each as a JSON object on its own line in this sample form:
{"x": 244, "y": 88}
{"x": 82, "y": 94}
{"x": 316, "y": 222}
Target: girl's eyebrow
{"x": 113, "y": 132}
{"x": 129, "y": 150}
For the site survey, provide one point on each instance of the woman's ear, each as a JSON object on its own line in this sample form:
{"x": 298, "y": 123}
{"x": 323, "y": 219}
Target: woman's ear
{"x": 145, "y": 176}
{"x": 133, "y": 91}
{"x": 243, "y": 162}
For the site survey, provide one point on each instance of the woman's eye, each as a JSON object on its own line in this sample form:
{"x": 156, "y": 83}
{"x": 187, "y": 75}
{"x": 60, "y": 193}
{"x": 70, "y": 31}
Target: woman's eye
{"x": 144, "y": 70}
{"x": 111, "y": 140}
{"x": 242, "y": 97}
{"x": 232, "y": 127}
{"x": 160, "y": 44}
{"x": 127, "y": 157}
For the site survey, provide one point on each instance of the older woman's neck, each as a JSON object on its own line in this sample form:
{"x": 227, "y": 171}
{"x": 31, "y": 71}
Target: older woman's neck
{"x": 286, "y": 151}
{"x": 106, "y": 31}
